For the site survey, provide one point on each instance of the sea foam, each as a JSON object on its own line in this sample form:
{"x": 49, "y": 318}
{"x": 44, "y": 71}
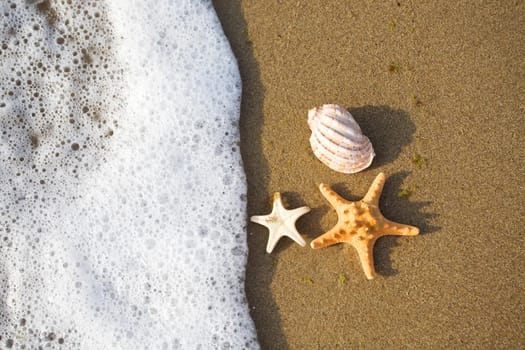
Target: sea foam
{"x": 122, "y": 202}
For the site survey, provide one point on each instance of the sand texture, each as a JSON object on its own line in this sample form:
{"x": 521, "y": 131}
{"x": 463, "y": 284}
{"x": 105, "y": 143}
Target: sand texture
{"x": 441, "y": 81}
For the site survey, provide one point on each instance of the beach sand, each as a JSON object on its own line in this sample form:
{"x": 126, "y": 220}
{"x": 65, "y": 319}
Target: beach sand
{"x": 441, "y": 80}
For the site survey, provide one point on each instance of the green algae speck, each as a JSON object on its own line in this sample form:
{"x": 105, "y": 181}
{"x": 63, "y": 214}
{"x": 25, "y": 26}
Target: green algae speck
{"x": 419, "y": 161}
{"x": 414, "y": 101}
{"x": 342, "y": 279}
{"x": 308, "y": 280}
{"x": 404, "y": 193}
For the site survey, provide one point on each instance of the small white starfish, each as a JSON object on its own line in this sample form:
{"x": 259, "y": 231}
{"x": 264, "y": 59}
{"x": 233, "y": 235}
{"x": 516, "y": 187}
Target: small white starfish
{"x": 281, "y": 222}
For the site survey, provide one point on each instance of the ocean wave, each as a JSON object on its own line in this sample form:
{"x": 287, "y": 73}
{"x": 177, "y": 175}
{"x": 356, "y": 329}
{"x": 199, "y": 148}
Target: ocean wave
{"x": 122, "y": 210}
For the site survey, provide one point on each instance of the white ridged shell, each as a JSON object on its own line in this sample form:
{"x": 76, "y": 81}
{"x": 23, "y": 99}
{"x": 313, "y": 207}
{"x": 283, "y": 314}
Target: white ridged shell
{"x": 337, "y": 139}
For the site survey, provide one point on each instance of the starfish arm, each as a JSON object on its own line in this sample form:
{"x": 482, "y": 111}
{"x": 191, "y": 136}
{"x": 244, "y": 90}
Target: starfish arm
{"x": 298, "y": 212}
{"x": 332, "y": 197}
{"x": 374, "y": 192}
{"x": 365, "y": 250}
{"x": 272, "y": 241}
{"x": 397, "y": 229}
{"x": 326, "y": 239}
{"x": 277, "y": 202}
{"x": 292, "y": 231}
{"x": 296, "y": 236}
{"x": 260, "y": 219}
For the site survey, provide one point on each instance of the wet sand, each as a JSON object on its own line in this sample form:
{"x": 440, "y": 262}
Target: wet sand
{"x": 436, "y": 80}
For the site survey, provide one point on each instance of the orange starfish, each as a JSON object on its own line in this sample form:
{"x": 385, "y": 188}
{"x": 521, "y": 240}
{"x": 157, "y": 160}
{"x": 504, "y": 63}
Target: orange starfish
{"x": 361, "y": 224}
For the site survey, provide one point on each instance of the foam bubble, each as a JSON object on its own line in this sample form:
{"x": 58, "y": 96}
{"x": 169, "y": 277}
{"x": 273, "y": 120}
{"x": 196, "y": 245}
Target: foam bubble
{"x": 122, "y": 208}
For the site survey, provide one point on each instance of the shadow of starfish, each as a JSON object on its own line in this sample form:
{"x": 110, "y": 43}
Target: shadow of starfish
{"x": 400, "y": 210}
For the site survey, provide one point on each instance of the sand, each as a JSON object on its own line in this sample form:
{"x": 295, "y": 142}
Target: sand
{"x": 441, "y": 80}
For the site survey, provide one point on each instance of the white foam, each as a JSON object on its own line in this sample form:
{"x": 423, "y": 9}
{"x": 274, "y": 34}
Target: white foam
{"x": 122, "y": 202}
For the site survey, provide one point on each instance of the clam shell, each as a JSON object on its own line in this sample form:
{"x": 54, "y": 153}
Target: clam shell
{"x": 337, "y": 139}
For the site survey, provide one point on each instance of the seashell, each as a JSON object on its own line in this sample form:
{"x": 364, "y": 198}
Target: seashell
{"x": 337, "y": 139}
